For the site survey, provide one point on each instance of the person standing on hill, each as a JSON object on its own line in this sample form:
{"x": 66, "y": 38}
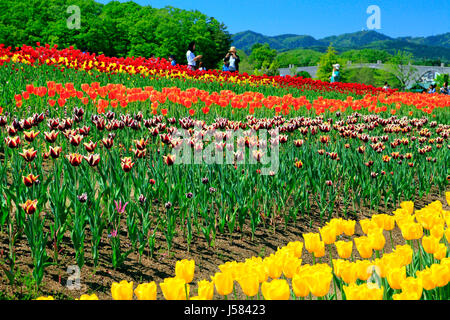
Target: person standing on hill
{"x": 191, "y": 57}
{"x": 233, "y": 60}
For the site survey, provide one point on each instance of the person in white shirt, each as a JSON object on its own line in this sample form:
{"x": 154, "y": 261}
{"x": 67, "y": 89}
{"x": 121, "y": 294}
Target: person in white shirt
{"x": 191, "y": 57}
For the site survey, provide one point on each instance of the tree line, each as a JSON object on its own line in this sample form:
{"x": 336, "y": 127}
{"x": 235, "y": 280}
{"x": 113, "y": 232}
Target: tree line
{"x": 114, "y": 29}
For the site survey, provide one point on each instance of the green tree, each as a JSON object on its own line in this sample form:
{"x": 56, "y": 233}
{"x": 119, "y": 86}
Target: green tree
{"x": 440, "y": 79}
{"x": 303, "y": 74}
{"x": 400, "y": 66}
{"x": 299, "y": 58}
{"x": 114, "y": 29}
{"x": 262, "y": 55}
{"x": 326, "y": 63}
{"x": 366, "y": 56}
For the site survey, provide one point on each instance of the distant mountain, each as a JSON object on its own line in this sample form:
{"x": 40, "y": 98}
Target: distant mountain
{"x": 433, "y": 47}
{"x": 246, "y": 39}
{"x": 356, "y": 39}
{"x": 441, "y": 40}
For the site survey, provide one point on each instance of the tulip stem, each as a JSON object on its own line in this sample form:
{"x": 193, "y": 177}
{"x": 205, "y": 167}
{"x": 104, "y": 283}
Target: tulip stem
{"x": 420, "y": 255}
{"x": 392, "y": 241}
{"x": 332, "y": 267}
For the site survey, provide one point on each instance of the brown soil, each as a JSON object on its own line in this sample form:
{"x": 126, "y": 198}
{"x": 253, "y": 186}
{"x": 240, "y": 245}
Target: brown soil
{"x": 237, "y": 247}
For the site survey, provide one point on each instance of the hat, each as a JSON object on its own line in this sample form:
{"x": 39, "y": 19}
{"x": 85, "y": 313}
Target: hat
{"x": 233, "y": 49}
{"x": 337, "y": 66}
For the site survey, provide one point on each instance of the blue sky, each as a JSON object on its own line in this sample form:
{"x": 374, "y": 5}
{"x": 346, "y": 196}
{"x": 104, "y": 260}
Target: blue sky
{"x": 320, "y": 18}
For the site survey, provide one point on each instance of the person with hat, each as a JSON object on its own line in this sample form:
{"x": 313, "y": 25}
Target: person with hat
{"x": 335, "y": 76}
{"x": 233, "y": 60}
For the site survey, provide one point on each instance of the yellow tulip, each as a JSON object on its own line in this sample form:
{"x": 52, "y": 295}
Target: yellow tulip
{"x": 364, "y": 269}
{"x": 338, "y": 224}
{"x": 223, "y": 283}
{"x": 184, "y": 269}
{"x": 367, "y": 225}
{"x": 379, "y": 220}
{"x": 364, "y": 247}
{"x": 389, "y": 223}
{"x": 377, "y": 239}
{"x": 320, "y": 250}
{"x": 328, "y": 234}
{"x": 297, "y": 248}
{"x": 439, "y": 275}
{"x": 205, "y": 289}
{"x": 404, "y": 219}
{"x": 146, "y": 291}
{"x": 412, "y": 286}
{"x": 404, "y": 252}
{"x": 349, "y": 227}
{"x": 405, "y": 296}
{"x": 363, "y": 292}
{"x": 412, "y": 231}
{"x": 88, "y": 297}
{"x": 291, "y": 266}
{"x": 426, "y": 276}
{"x": 300, "y": 284}
{"x": 384, "y": 221}
{"x": 174, "y": 289}
{"x": 447, "y": 234}
{"x": 45, "y": 298}
{"x": 441, "y": 251}
{"x": 230, "y": 267}
{"x": 259, "y": 269}
{"x": 122, "y": 290}
{"x": 395, "y": 277}
{"x": 319, "y": 283}
{"x": 277, "y": 289}
{"x": 428, "y": 218}
{"x": 348, "y": 272}
{"x": 447, "y": 197}
{"x": 344, "y": 248}
{"x": 274, "y": 266}
{"x": 249, "y": 284}
{"x": 408, "y": 206}
{"x": 430, "y": 244}
{"x": 438, "y": 230}
{"x": 338, "y": 264}
{"x": 312, "y": 241}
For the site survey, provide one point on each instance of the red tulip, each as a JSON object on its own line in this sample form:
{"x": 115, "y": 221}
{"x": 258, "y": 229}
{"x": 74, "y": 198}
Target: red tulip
{"x": 29, "y": 206}
{"x": 90, "y": 146}
{"x": 92, "y": 159}
{"x": 12, "y": 142}
{"x": 30, "y": 135}
{"x": 51, "y": 136}
{"x": 75, "y": 159}
{"x": 127, "y": 164}
{"x": 55, "y": 152}
{"x": 30, "y": 179}
{"x": 169, "y": 159}
{"x": 28, "y": 154}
